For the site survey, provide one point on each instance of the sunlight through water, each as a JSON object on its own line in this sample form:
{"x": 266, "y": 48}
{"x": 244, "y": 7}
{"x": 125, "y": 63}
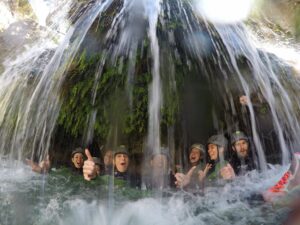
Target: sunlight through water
{"x": 221, "y": 11}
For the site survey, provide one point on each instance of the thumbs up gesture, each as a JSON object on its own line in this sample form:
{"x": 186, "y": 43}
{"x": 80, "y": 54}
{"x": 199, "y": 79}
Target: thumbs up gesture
{"x": 227, "y": 172}
{"x": 89, "y": 168}
{"x": 183, "y": 180}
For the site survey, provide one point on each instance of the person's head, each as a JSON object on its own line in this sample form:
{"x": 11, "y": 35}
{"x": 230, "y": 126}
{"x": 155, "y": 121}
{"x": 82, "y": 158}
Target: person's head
{"x": 197, "y": 152}
{"x": 216, "y": 146}
{"x": 121, "y": 159}
{"x": 240, "y": 144}
{"x": 108, "y": 158}
{"x": 77, "y": 158}
{"x": 160, "y": 161}
{"x": 97, "y": 165}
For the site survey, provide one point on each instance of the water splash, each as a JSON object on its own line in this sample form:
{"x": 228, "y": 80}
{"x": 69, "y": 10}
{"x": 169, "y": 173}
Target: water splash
{"x": 68, "y": 201}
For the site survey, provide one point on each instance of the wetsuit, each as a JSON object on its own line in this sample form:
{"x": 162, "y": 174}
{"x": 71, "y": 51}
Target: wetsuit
{"x": 133, "y": 181}
{"x": 194, "y": 183}
{"x": 241, "y": 166}
{"x": 77, "y": 171}
{"x": 167, "y": 181}
{"x": 214, "y": 172}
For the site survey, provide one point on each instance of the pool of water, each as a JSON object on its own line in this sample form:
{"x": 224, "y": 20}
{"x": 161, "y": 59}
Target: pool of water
{"x": 62, "y": 198}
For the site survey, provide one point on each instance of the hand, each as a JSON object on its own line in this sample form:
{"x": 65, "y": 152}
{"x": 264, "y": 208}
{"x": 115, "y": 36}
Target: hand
{"x": 34, "y": 166}
{"x": 183, "y": 180}
{"x": 272, "y": 196}
{"x": 202, "y": 174}
{"x": 227, "y": 172}
{"x": 244, "y": 100}
{"x": 45, "y": 164}
{"x": 89, "y": 168}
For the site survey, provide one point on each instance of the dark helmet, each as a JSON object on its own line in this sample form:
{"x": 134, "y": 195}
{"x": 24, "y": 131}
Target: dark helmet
{"x": 77, "y": 150}
{"x": 121, "y": 150}
{"x": 238, "y": 135}
{"x": 218, "y": 140}
{"x": 97, "y": 161}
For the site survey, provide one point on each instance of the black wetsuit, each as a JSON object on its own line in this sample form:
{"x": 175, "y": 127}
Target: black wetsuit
{"x": 133, "y": 181}
{"x": 77, "y": 171}
{"x": 168, "y": 181}
{"x": 241, "y": 166}
{"x": 194, "y": 182}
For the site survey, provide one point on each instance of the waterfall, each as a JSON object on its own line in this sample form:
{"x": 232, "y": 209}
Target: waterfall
{"x": 152, "y": 12}
{"x": 31, "y": 83}
{"x": 144, "y": 74}
{"x": 34, "y": 117}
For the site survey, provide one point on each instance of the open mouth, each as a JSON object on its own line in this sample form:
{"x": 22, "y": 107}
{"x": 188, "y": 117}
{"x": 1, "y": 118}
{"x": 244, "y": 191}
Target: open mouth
{"x": 193, "y": 159}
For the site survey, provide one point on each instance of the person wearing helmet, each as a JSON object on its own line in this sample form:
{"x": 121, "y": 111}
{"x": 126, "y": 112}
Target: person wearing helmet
{"x": 108, "y": 161}
{"x": 197, "y": 169}
{"x": 120, "y": 164}
{"x": 241, "y": 159}
{"x": 98, "y": 166}
{"x": 264, "y": 124}
{"x": 220, "y": 168}
{"x": 160, "y": 176}
{"x": 77, "y": 158}
{"x": 197, "y": 154}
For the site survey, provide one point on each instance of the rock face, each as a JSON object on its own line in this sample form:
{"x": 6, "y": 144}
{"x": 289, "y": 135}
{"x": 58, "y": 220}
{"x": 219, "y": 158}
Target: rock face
{"x": 285, "y": 13}
{"x": 17, "y": 26}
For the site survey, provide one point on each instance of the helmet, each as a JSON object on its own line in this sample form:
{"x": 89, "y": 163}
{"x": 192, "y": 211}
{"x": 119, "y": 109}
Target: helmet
{"x": 121, "y": 150}
{"x": 218, "y": 139}
{"x": 77, "y": 150}
{"x": 97, "y": 161}
{"x": 200, "y": 147}
{"x": 238, "y": 135}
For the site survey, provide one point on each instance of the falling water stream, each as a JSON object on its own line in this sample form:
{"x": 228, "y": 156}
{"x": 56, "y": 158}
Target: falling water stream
{"x": 226, "y": 56}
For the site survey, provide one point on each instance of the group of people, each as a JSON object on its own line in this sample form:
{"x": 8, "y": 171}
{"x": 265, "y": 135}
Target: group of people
{"x": 223, "y": 162}
{"x": 207, "y": 164}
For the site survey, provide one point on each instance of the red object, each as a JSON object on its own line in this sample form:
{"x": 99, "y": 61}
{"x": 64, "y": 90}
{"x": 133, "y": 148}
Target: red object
{"x": 281, "y": 184}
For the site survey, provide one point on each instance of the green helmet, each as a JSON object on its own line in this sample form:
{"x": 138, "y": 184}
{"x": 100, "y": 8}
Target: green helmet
{"x": 200, "y": 147}
{"x": 218, "y": 139}
{"x": 238, "y": 135}
{"x": 121, "y": 150}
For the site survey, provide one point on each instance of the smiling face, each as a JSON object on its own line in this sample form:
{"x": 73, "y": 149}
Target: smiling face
{"x": 195, "y": 156}
{"x": 77, "y": 160}
{"x": 242, "y": 148}
{"x": 121, "y": 162}
{"x": 213, "y": 151}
